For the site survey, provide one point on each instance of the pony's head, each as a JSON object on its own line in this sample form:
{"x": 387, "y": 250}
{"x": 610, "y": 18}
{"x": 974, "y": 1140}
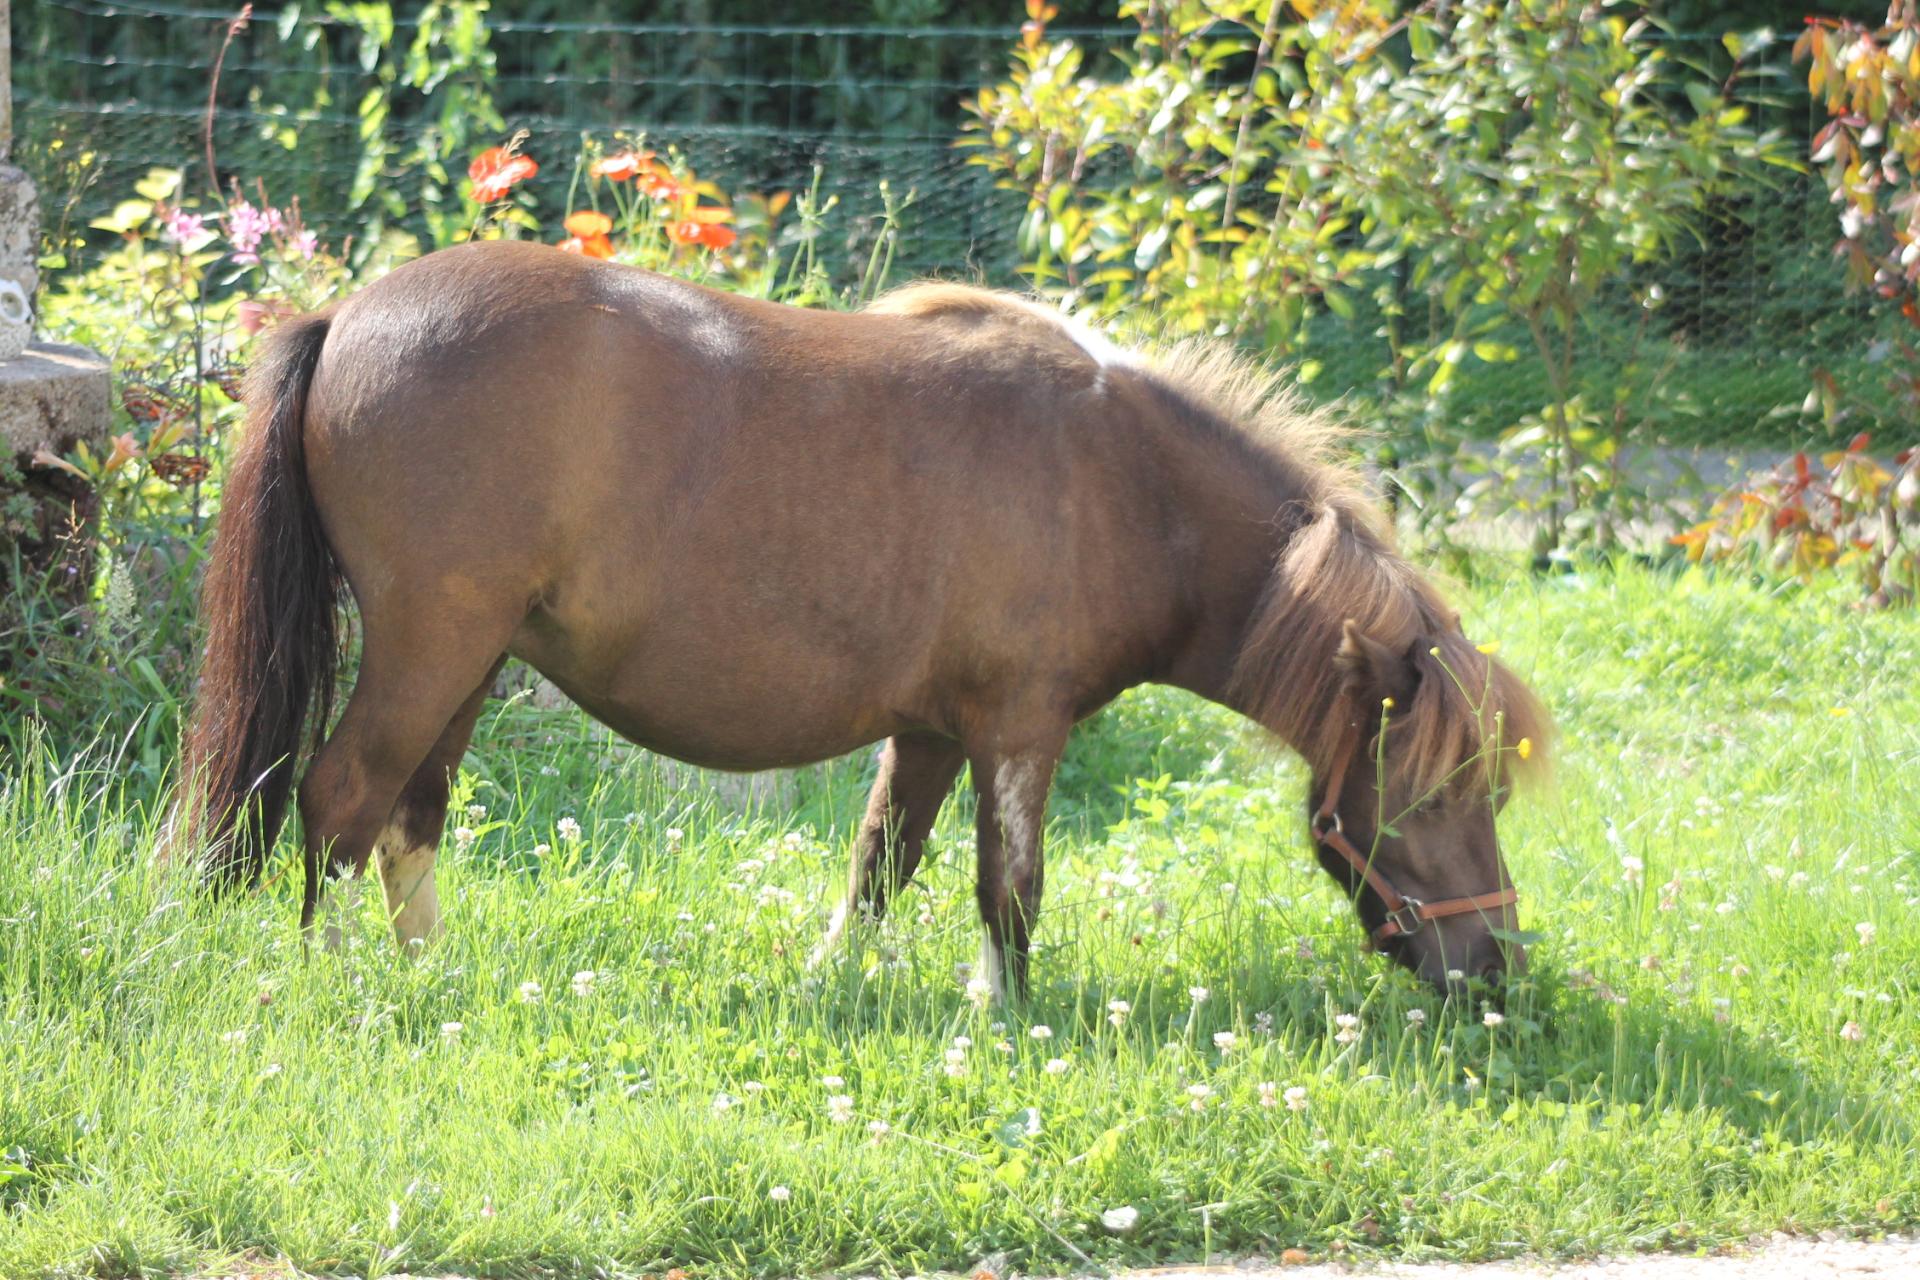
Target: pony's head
{"x": 1403, "y": 812}
{"x": 1416, "y": 737}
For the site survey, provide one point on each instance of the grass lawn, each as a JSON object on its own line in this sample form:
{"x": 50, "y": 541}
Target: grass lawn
{"x": 616, "y": 1062}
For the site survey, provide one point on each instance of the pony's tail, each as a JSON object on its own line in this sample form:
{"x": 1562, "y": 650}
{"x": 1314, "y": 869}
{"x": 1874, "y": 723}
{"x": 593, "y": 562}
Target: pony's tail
{"x": 269, "y": 608}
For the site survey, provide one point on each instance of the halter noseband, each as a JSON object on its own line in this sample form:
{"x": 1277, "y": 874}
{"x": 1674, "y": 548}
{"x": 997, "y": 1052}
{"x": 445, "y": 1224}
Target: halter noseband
{"x": 1404, "y": 915}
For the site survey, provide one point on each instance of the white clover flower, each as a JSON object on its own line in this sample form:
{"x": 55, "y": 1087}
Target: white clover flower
{"x": 1269, "y": 1093}
{"x": 1631, "y": 869}
{"x": 1349, "y": 1024}
{"x": 1456, "y": 975}
{"x": 879, "y": 1129}
{"x": 1004, "y": 1046}
{"x": 1040, "y": 1031}
{"x": 1200, "y": 994}
{"x": 833, "y": 1082}
{"x": 529, "y": 992}
{"x": 238, "y": 1036}
{"x": 1866, "y": 929}
{"x": 1198, "y": 1094}
{"x": 451, "y": 1030}
{"x": 1296, "y": 1097}
{"x": 779, "y": 1195}
{"x": 477, "y": 812}
{"x": 568, "y": 828}
{"x": 1056, "y": 1066}
{"x": 1416, "y": 1017}
{"x": 963, "y": 1042}
{"x": 956, "y": 1064}
{"x": 724, "y": 1102}
{"x": 1117, "y": 1011}
{"x": 979, "y": 991}
{"x": 753, "y": 1087}
{"x": 1263, "y": 1024}
{"x": 463, "y": 838}
{"x": 839, "y": 1108}
{"x": 1493, "y": 1018}
{"x": 1121, "y": 1220}
{"x": 1853, "y": 1032}
{"x": 542, "y": 850}
{"x": 583, "y": 982}
{"x": 1224, "y": 1041}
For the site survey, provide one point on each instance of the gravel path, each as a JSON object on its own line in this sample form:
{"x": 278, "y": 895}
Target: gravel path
{"x": 1784, "y": 1258}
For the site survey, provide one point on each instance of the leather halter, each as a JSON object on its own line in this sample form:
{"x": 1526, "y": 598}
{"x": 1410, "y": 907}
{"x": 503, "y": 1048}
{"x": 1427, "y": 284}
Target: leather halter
{"x": 1404, "y": 915}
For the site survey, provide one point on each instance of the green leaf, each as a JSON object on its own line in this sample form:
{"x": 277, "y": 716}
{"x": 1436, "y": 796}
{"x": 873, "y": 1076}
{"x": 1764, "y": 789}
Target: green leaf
{"x": 1150, "y": 246}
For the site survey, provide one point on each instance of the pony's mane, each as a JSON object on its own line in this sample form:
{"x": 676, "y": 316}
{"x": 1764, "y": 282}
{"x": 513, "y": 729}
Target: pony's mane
{"x": 1337, "y": 561}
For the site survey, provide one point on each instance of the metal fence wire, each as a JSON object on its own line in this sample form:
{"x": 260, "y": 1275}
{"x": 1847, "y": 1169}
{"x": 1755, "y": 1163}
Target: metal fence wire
{"x": 1751, "y": 311}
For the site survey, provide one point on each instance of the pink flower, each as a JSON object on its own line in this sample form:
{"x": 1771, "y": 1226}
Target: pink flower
{"x": 248, "y": 226}
{"x": 183, "y": 227}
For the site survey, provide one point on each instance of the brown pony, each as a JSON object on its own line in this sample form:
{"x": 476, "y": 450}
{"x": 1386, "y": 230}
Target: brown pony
{"x": 749, "y": 536}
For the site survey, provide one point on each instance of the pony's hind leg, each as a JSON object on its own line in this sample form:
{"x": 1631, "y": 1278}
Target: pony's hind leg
{"x": 1012, "y": 786}
{"x": 408, "y": 845}
{"x": 916, "y": 772}
{"x": 415, "y": 678}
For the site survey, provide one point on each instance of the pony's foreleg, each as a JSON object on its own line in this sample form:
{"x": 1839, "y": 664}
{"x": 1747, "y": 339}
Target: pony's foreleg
{"x": 916, "y": 772}
{"x": 410, "y": 842}
{"x": 1012, "y": 786}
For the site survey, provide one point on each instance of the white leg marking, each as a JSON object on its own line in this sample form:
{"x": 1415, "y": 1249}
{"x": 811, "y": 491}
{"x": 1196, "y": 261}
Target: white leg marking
{"x": 993, "y": 968}
{"x": 836, "y": 931}
{"x": 406, "y": 872}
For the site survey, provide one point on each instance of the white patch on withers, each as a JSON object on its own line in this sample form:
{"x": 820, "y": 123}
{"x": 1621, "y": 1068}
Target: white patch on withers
{"x": 1104, "y": 352}
{"x": 1097, "y": 346}
{"x": 406, "y": 873}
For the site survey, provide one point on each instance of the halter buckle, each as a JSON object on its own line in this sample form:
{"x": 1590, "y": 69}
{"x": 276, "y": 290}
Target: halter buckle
{"x": 1407, "y": 920}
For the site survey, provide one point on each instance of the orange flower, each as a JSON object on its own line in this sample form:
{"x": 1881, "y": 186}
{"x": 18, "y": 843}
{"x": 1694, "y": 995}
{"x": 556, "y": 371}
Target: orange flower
{"x": 704, "y": 228}
{"x": 628, "y": 164}
{"x": 589, "y": 246}
{"x": 587, "y": 223}
{"x": 657, "y": 184}
{"x": 497, "y": 171}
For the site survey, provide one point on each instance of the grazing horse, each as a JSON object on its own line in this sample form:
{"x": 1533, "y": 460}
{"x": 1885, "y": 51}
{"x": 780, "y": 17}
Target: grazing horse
{"x": 752, "y": 536}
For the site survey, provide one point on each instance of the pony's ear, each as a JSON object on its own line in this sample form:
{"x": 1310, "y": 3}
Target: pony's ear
{"x": 1371, "y": 671}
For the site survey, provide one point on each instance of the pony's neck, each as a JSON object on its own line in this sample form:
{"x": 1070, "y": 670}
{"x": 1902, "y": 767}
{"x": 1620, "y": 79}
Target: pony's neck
{"x": 1255, "y": 618}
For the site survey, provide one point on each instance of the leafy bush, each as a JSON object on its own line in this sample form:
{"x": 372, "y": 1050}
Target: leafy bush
{"x": 1859, "y": 514}
{"x": 1472, "y": 166}
{"x": 1852, "y": 512}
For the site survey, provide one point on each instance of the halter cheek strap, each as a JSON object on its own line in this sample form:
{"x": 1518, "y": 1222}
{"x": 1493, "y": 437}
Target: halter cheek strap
{"x": 1404, "y": 915}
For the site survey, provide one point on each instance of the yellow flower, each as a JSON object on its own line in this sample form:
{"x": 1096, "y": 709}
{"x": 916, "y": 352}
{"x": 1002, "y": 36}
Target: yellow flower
{"x": 1524, "y": 747}
{"x": 1490, "y": 646}
{"x": 1386, "y": 704}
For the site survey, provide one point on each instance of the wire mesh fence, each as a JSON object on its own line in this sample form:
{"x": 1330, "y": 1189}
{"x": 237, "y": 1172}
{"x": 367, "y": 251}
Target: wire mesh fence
{"x": 1747, "y": 315}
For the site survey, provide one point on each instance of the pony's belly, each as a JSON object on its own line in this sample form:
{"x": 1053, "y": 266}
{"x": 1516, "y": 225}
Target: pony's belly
{"x": 707, "y": 716}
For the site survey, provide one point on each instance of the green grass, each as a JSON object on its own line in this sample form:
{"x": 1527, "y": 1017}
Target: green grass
{"x": 183, "y": 1083}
